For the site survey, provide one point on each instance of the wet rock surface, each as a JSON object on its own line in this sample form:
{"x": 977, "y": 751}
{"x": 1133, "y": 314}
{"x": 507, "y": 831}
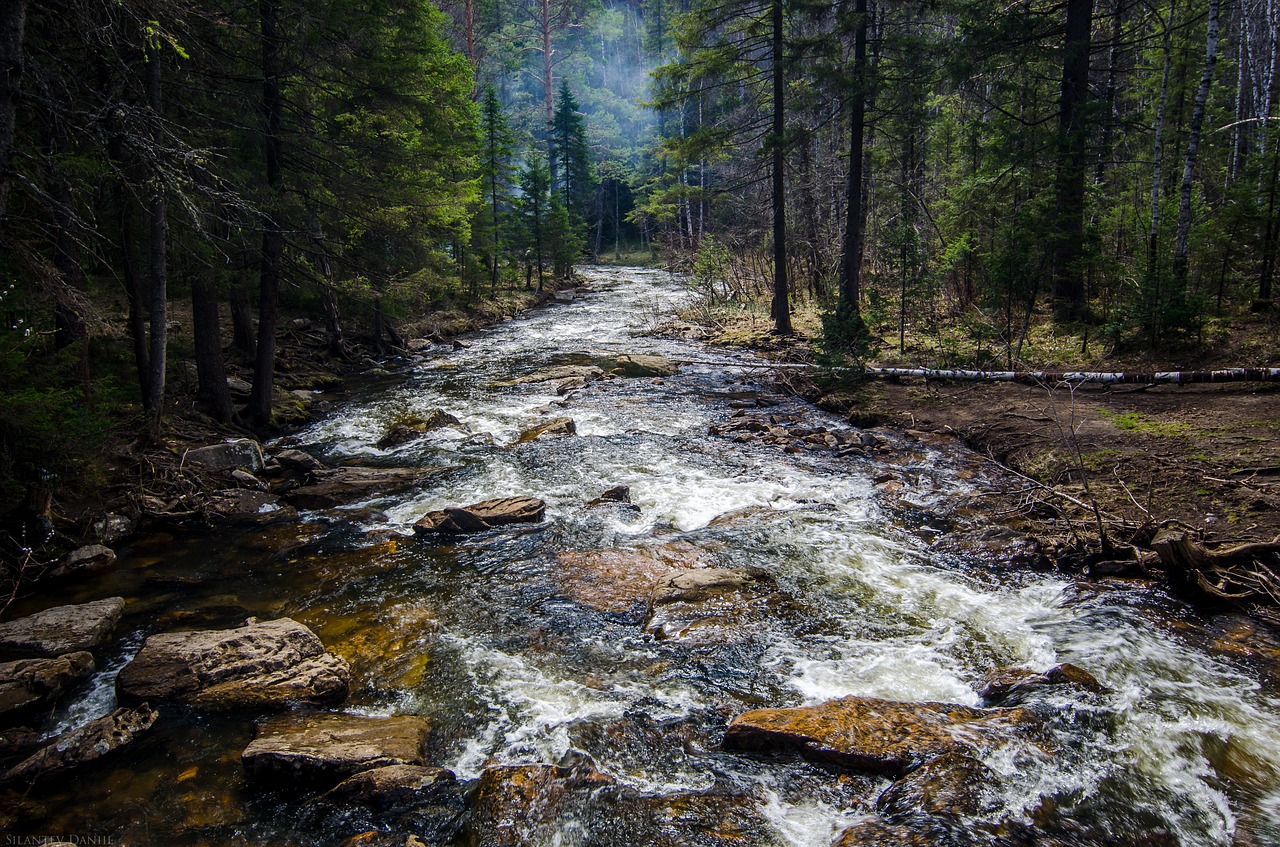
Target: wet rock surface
{"x": 714, "y": 605}
{"x": 428, "y": 802}
{"x": 586, "y": 373}
{"x": 327, "y": 489}
{"x": 61, "y": 629}
{"x": 479, "y": 517}
{"x": 28, "y": 685}
{"x": 275, "y": 664}
{"x": 523, "y": 804}
{"x": 406, "y": 431}
{"x": 622, "y": 580}
{"x": 640, "y": 365}
{"x": 99, "y": 738}
{"x": 239, "y": 453}
{"x": 249, "y": 507}
{"x": 953, "y": 785}
{"x": 880, "y": 736}
{"x": 553, "y": 427}
{"x": 1012, "y": 686}
{"x": 82, "y": 562}
{"x": 328, "y": 748}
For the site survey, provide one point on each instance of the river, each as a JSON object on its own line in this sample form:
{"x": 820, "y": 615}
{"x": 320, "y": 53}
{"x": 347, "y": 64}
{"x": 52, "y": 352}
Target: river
{"x": 520, "y": 656}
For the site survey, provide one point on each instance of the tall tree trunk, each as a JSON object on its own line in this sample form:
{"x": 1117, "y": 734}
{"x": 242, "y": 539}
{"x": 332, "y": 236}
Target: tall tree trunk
{"x": 1153, "y": 239}
{"x": 1182, "y": 246}
{"x": 1272, "y": 234}
{"x": 781, "y": 306}
{"x": 159, "y": 254}
{"x": 272, "y": 234}
{"x": 848, "y": 311}
{"x": 13, "y": 21}
{"x": 208, "y": 336}
{"x": 548, "y": 82}
{"x": 1068, "y": 275}
{"x": 243, "y": 343}
{"x": 1113, "y": 72}
{"x": 128, "y": 267}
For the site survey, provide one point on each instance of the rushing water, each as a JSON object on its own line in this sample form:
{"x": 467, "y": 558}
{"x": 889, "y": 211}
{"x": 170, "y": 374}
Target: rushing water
{"x": 519, "y": 658}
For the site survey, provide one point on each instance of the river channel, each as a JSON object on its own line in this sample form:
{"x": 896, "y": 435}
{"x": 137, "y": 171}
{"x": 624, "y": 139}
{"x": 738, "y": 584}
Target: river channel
{"x": 521, "y": 647}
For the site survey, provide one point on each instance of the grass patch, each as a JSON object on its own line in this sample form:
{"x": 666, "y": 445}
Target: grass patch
{"x": 1134, "y": 422}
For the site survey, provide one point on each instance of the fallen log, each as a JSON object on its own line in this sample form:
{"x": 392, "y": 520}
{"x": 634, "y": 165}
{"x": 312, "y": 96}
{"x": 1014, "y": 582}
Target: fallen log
{"x": 1077, "y": 377}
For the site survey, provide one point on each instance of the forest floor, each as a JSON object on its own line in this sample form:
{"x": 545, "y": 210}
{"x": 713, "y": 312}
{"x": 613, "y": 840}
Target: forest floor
{"x": 1126, "y": 461}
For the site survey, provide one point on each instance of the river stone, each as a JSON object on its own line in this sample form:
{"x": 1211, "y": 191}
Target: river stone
{"x": 713, "y": 605}
{"x": 27, "y": 685}
{"x": 238, "y": 453}
{"x": 523, "y": 804}
{"x": 587, "y": 373}
{"x": 424, "y": 800}
{"x": 617, "y": 494}
{"x": 111, "y": 528}
{"x": 924, "y": 832}
{"x": 555, "y": 426}
{"x": 61, "y": 629}
{"x": 327, "y": 489}
{"x": 866, "y": 733}
{"x": 377, "y": 838}
{"x": 954, "y": 785}
{"x": 402, "y": 432}
{"x": 481, "y": 516}
{"x": 299, "y": 460}
{"x": 1011, "y": 686}
{"x": 275, "y": 664}
{"x": 84, "y": 561}
{"x": 643, "y": 365}
{"x": 329, "y": 748}
{"x": 621, "y": 580}
{"x": 247, "y": 507}
{"x": 89, "y": 743}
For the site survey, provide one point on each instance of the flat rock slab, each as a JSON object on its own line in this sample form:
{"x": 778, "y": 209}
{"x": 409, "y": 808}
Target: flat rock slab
{"x": 240, "y": 453}
{"x": 61, "y": 629}
{"x": 645, "y": 365}
{"x": 553, "y": 427}
{"x": 621, "y": 580}
{"x": 27, "y": 685}
{"x": 329, "y": 748}
{"x": 881, "y": 736}
{"x": 587, "y": 373}
{"x": 426, "y": 801}
{"x": 275, "y": 664}
{"x": 91, "y": 742}
{"x": 247, "y": 507}
{"x": 328, "y": 489}
{"x": 714, "y": 605}
{"x": 481, "y": 516}
{"x": 84, "y": 561}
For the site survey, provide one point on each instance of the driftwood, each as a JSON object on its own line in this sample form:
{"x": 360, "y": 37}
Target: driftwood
{"x": 1247, "y": 572}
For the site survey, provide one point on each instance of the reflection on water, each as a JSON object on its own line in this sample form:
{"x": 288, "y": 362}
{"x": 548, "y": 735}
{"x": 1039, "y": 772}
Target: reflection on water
{"x": 520, "y": 658}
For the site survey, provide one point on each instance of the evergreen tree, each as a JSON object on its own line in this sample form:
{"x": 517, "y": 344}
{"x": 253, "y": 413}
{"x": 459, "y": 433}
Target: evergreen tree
{"x": 576, "y": 185}
{"x": 496, "y": 175}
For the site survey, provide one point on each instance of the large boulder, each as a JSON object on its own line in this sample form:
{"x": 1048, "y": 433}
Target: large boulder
{"x": 61, "y": 629}
{"x": 1011, "y": 686}
{"x": 714, "y": 605}
{"x": 247, "y": 507}
{"x": 91, "y": 742}
{"x": 621, "y": 580}
{"x": 866, "y": 733}
{"x": 275, "y": 664}
{"x": 81, "y": 562}
{"x": 237, "y": 453}
{"x": 555, "y": 426}
{"x": 327, "y": 489}
{"x": 325, "y": 749}
{"x": 28, "y": 685}
{"x": 643, "y": 365}
{"x": 481, "y": 516}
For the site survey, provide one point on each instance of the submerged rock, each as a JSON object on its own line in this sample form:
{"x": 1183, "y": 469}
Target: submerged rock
{"x": 91, "y": 742}
{"x": 329, "y": 748}
{"x": 953, "y": 785}
{"x": 713, "y": 605}
{"x": 617, "y": 494}
{"x": 275, "y": 664}
{"x": 61, "y": 629}
{"x": 586, "y": 373}
{"x": 866, "y": 733}
{"x": 238, "y": 453}
{"x": 523, "y": 804}
{"x": 644, "y": 365}
{"x": 621, "y": 580}
{"x": 84, "y": 561}
{"x": 1011, "y": 686}
{"x": 555, "y": 426}
{"x": 247, "y": 507}
{"x": 403, "y": 432}
{"x": 337, "y": 487}
{"x": 481, "y": 516}
{"x": 925, "y": 832}
{"x": 424, "y": 800}
{"x": 29, "y": 685}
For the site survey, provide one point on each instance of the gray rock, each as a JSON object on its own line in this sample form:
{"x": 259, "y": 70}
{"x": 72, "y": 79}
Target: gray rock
{"x": 587, "y": 373}
{"x": 85, "y": 561}
{"x": 91, "y": 742}
{"x": 275, "y": 664}
{"x": 953, "y": 785}
{"x": 328, "y": 748}
{"x": 248, "y": 480}
{"x": 299, "y": 461}
{"x": 29, "y": 685}
{"x": 481, "y": 516}
{"x": 239, "y": 453}
{"x": 340, "y": 486}
{"x": 111, "y": 528}
{"x": 642, "y": 365}
{"x": 239, "y": 388}
{"x": 555, "y": 426}
{"x": 247, "y": 507}
{"x": 61, "y": 629}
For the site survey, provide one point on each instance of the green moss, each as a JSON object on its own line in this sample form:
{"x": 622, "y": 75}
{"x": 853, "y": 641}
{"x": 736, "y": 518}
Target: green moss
{"x": 1134, "y": 422}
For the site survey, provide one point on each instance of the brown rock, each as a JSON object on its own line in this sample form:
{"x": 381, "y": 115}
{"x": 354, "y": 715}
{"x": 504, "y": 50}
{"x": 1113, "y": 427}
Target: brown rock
{"x": 414, "y": 428}
{"x": 584, "y": 372}
{"x": 89, "y": 743}
{"x": 481, "y": 516}
{"x": 391, "y": 787}
{"x": 237, "y": 453}
{"x": 339, "y": 486}
{"x": 85, "y": 561}
{"x": 375, "y": 838}
{"x": 714, "y": 605}
{"x": 638, "y": 365}
{"x": 328, "y": 748}
{"x": 622, "y": 580}
{"x": 247, "y": 507}
{"x": 61, "y": 629}
{"x": 953, "y": 785}
{"x": 522, "y": 804}
{"x": 275, "y": 664}
{"x": 555, "y": 426}
{"x": 299, "y": 461}
{"x": 874, "y": 832}
{"x": 866, "y": 733}
{"x": 28, "y": 685}
{"x": 1010, "y": 686}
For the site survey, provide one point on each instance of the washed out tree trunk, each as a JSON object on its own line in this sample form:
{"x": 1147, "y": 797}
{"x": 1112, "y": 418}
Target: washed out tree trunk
{"x": 159, "y": 252}
{"x": 848, "y": 310}
{"x": 13, "y": 20}
{"x": 1068, "y": 275}
{"x": 1182, "y": 246}
{"x": 210, "y": 369}
{"x": 781, "y": 306}
{"x": 272, "y": 234}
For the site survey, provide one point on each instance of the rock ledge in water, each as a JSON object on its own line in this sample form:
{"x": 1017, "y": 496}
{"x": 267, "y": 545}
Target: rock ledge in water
{"x": 1010, "y": 686}
{"x": 275, "y": 664}
{"x": 28, "y": 685}
{"x": 555, "y": 426}
{"x": 89, "y": 743}
{"x": 339, "y": 486}
{"x": 866, "y": 733}
{"x": 61, "y": 629}
{"x": 481, "y": 516}
{"x": 329, "y": 748}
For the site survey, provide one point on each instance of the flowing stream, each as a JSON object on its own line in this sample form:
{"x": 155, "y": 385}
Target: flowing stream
{"x": 522, "y": 649}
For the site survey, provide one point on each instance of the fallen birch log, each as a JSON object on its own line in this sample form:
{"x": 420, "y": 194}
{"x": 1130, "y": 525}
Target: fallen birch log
{"x": 1103, "y": 378}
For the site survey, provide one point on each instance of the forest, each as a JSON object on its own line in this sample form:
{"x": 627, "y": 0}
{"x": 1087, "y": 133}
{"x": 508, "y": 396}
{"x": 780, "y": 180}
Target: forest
{"x": 950, "y": 175}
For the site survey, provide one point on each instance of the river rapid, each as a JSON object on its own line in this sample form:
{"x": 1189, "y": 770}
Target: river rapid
{"x": 520, "y": 658}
